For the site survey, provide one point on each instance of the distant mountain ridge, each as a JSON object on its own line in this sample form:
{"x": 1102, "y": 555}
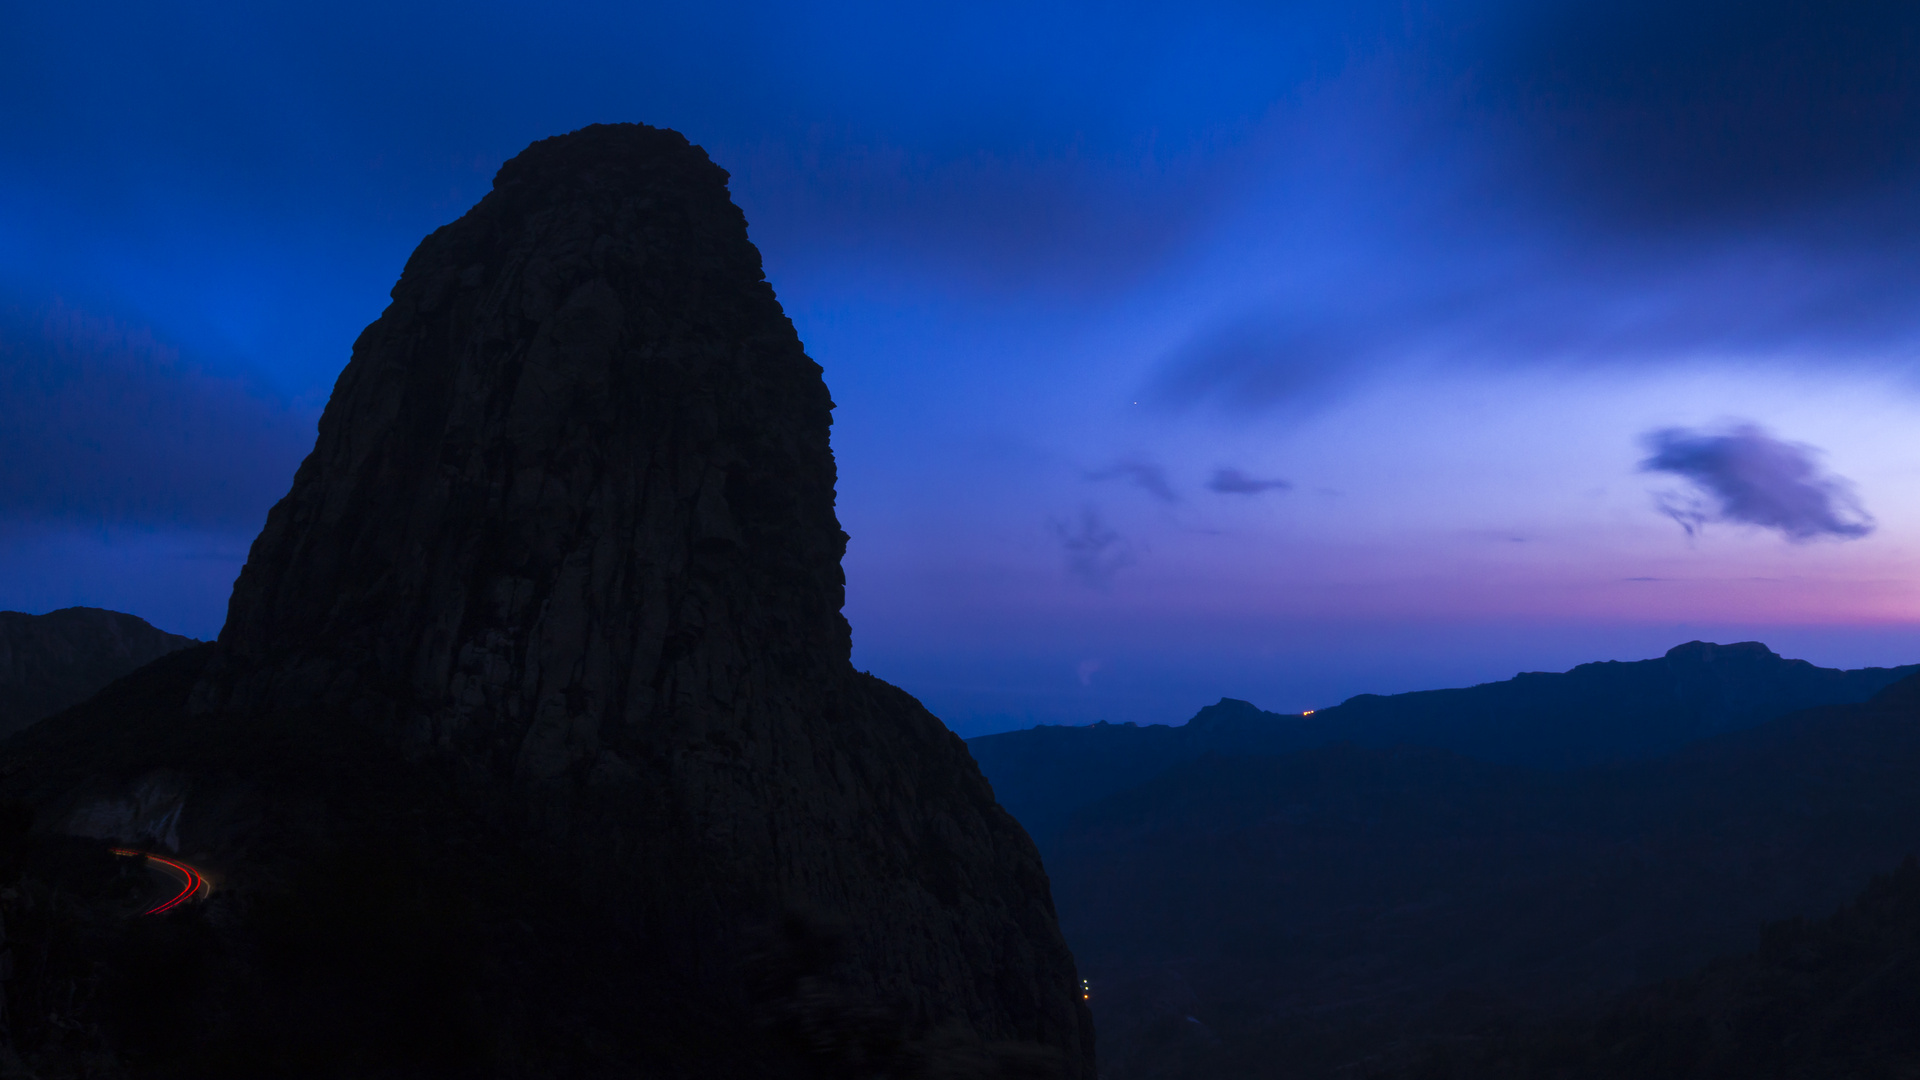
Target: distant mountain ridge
{"x": 51, "y": 661}
{"x": 1609, "y": 711}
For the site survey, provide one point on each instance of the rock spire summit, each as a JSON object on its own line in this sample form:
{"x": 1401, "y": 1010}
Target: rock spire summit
{"x": 569, "y": 530}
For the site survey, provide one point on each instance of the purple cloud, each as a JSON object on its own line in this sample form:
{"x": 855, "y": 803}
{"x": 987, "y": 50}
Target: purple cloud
{"x": 1095, "y": 552}
{"x": 1231, "y": 481}
{"x": 1146, "y": 476}
{"x": 1746, "y": 475}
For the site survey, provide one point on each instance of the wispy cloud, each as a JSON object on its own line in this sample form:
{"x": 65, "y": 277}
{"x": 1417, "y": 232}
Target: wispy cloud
{"x": 1745, "y": 475}
{"x": 1231, "y": 481}
{"x": 1144, "y": 475}
{"x": 1261, "y": 359}
{"x": 1095, "y": 551}
{"x": 102, "y": 425}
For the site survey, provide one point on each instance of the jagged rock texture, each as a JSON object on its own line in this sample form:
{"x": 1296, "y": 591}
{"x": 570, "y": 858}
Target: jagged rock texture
{"x": 51, "y": 661}
{"x": 569, "y": 528}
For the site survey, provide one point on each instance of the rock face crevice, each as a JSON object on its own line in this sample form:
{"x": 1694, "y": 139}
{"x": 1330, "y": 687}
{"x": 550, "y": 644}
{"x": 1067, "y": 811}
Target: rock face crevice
{"x": 569, "y": 530}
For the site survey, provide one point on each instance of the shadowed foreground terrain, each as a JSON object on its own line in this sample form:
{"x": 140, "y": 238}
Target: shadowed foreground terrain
{"x": 531, "y": 746}
{"x": 1331, "y": 907}
{"x": 1830, "y": 998}
{"x": 367, "y": 924}
{"x": 1313, "y": 912}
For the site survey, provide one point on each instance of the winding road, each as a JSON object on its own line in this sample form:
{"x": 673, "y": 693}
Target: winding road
{"x": 193, "y": 884}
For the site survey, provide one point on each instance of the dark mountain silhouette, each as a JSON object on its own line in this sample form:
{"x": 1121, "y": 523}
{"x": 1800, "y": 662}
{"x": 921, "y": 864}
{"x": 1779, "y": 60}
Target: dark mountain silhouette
{"x": 531, "y": 746}
{"x": 1609, "y": 711}
{"x": 1309, "y": 912}
{"x": 51, "y": 661}
{"x": 1596, "y": 713}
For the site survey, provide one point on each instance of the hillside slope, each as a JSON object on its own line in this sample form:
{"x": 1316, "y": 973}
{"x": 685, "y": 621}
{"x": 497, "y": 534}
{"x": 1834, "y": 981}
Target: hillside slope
{"x": 1827, "y": 998}
{"x": 51, "y": 661}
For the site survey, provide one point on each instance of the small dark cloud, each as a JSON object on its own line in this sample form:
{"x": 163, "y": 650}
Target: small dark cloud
{"x": 1095, "y": 551}
{"x": 1747, "y": 476}
{"x": 1144, "y": 475}
{"x": 1231, "y": 481}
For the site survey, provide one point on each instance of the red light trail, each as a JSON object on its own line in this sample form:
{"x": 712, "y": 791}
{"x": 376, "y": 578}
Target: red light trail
{"x": 192, "y": 882}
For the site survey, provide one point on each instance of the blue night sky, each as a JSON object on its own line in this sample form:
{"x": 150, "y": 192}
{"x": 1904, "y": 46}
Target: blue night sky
{"x": 1281, "y": 351}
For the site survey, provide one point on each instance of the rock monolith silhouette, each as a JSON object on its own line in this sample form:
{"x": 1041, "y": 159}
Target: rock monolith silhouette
{"x": 568, "y": 531}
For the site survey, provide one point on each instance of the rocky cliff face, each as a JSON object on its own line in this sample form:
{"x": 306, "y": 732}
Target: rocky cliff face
{"x": 51, "y": 661}
{"x": 568, "y": 531}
